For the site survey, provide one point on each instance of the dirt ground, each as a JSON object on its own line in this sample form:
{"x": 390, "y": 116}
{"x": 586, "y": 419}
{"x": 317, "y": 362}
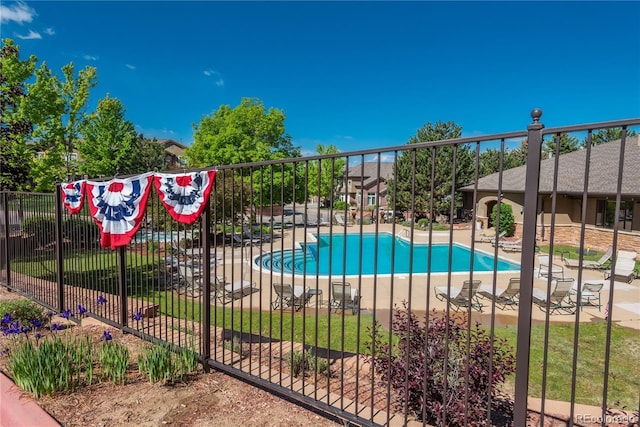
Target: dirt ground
{"x": 207, "y": 399}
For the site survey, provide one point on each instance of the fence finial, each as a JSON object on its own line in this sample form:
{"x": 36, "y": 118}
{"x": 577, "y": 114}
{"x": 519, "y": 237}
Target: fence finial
{"x": 536, "y": 113}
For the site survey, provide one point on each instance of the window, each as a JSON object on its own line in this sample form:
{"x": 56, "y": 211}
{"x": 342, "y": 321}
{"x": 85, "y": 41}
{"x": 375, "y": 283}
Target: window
{"x": 606, "y": 214}
{"x": 371, "y": 199}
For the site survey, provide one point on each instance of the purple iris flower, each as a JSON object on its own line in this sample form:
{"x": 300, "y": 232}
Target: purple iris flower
{"x": 106, "y": 336}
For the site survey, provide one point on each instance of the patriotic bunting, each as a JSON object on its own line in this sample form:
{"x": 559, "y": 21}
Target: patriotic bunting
{"x": 185, "y": 195}
{"x": 73, "y": 196}
{"x": 117, "y": 206}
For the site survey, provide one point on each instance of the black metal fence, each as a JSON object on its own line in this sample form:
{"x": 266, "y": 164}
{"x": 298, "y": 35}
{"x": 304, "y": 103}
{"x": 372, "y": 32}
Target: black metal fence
{"x": 281, "y": 288}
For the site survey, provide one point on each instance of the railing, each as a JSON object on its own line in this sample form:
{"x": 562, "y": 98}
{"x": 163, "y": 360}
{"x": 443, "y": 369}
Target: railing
{"x": 218, "y": 287}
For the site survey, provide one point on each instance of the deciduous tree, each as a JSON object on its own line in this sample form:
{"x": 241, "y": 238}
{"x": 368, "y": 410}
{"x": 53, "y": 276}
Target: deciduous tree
{"x": 106, "y": 148}
{"x": 325, "y": 175}
{"x": 15, "y": 127}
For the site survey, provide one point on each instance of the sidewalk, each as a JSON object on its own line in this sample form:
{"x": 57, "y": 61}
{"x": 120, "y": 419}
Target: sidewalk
{"x": 19, "y": 410}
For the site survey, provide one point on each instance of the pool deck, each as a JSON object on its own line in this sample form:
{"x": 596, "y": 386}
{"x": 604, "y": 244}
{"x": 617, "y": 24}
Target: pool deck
{"x": 393, "y": 290}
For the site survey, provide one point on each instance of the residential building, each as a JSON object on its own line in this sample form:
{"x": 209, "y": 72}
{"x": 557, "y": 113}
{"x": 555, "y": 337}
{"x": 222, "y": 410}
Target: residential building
{"x": 601, "y": 215}
{"x": 365, "y": 186}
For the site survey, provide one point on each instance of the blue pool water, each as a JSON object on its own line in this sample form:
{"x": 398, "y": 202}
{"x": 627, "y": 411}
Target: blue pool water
{"x": 331, "y": 252}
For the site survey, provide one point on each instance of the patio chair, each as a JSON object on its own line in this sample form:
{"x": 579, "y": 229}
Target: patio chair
{"x": 241, "y": 241}
{"x": 558, "y": 300}
{"x": 515, "y": 246}
{"x": 344, "y": 297}
{"x": 226, "y": 292}
{"x": 599, "y": 264}
{"x": 248, "y": 234}
{"x": 340, "y": 219}
{"x": 546, "y": 266}
{"x": 290, "y": 296}
{"x": 589, "y": 294}
{"x": 504, "y": 297}
{"x": 461, "y": 297}
{"x": 491, "y": 238}
{"x": 623, "y": 266}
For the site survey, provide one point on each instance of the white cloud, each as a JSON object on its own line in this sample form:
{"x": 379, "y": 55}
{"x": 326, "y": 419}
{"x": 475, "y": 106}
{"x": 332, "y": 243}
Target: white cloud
{"x": 90, "y": 57}
{"x": 129, "y": 66}
{"x": 210, "y": 72}
{"x": 31, "y": 36}
{"x": 49, "y": 31}
{"x": 19, "y": 13}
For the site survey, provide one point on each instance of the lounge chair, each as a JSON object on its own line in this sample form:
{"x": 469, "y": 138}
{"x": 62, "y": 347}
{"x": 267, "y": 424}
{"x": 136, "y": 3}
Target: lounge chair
{"x": 589, "y": 295}
{"x": 340, "y": 219}
{"x": 546, "y": 266}
{"x": 558, "y": 300}
{"x": 343, "y": 296}
{"x": 461, "y": 297}
{"x": 599, "y": 264}
{"x": 248, "y": 234}
{"x": 623, "y": 266}
{"x": 514, "y": 246}
{"x": 491, "y": 238}
{"x": 504, "y": 297}
{"x": 226, "y": 292}
{"x": 240, "y": 241}
{"x": 290, "y": 296}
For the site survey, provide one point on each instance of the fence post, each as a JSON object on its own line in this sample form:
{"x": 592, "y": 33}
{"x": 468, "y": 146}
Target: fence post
{"x": 5, "y": 258}
{"x": 205, "y": 346}
{"x": 122, "y": 285}
{"x": 59, "y": 250}
{"x": 530, "y": 212}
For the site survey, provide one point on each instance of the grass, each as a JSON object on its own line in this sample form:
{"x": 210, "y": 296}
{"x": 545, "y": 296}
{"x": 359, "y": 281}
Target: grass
{"x": 281, "y": 326}
{"x": 624, "y": 382}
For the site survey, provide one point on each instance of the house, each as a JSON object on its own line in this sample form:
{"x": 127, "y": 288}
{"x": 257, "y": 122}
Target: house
{"x": 601, "y": 201}
{"x": 174, "y": 153}
{"x": 364, "y": 187}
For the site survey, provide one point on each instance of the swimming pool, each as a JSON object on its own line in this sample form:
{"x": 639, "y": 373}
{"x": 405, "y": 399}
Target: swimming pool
{"x": 329, "y": 253}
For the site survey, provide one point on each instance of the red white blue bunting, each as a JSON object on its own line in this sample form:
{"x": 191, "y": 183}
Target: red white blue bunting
{"x": 185, "y": 195}
{"x": 73, "y": 196}
{"x": 117, "y": 207}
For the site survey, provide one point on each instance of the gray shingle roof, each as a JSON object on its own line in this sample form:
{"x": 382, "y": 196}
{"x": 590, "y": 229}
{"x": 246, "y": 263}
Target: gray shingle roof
{"x": 603, "y": 172}
{"x": 369, "y": 170}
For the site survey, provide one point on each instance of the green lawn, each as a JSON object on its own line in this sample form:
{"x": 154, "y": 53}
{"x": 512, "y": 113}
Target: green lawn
{"x": 624, "y": 381}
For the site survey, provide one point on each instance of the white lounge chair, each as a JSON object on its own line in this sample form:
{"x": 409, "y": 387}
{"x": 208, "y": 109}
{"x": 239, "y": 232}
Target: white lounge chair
{"x": 461, "y": 297}
{"x": 226, "y": 292}
{"x": 340, "y": 219}
{"x": 589, "y": 294}
{"x": 290, "y": 296}
{"x": 558, "y": 298}
{"x": 623, "y": 266}
{"x": 491, "y": 238}
{"x": 575, "y": 263}
{"x": 343, "y": 296}
{"x": 504, "y": 297}
{"x": 546, "y": 266}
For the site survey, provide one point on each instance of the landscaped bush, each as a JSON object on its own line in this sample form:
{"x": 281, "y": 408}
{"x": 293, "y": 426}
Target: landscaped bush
{"x": 23, "y": 311}
{"x": 81, "y": 231}
{"x": 415, "y": 367}
{"x": 43, "y": 229}
{"x": 302, "y": 361}
{"x": 507, "y": 221}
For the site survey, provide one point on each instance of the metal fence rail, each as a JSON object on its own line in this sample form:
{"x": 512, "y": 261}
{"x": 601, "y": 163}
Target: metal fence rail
{"x": 276, "y": 287}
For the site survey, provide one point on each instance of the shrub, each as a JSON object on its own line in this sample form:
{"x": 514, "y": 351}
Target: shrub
{"x": 43, "y": 229}
{"x": 414, "y": 367}
{"x": 23, "y": 311}
{"x": 339, "y": 205}
{"x": 300, "y": 362}
{"x": 507, "y": 221}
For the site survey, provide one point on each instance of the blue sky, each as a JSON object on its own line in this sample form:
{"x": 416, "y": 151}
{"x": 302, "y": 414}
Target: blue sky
{"x": 354, "y": 74}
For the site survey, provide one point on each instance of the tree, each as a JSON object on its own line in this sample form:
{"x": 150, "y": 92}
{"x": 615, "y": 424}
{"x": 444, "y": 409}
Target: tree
{"x": 108, "y": 140}
{"x": 400, "y": 187}
{"x": 244, "y": 134}
{"x": 567, "y": 144}
{"x": 248, "y": 133}
{"x": 146, "y": 155}
{"x": 57, "y": 110}
{"x": 15, "y": 127}
{"x": 325, "y": 174}
{"x": 603, "y": 136}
